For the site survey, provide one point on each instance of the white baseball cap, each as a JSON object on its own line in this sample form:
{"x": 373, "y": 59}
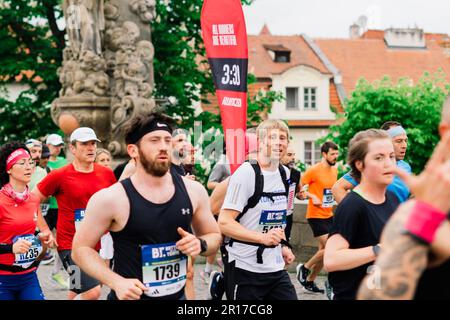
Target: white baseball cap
{"x": 54, "y": 139}
{"x": 83, "y": 134}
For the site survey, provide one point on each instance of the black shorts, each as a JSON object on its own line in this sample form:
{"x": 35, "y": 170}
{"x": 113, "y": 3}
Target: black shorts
{"x": 320, "y": 227}
{"x": 79, "y": 281}
{"x": 51, "y": 218}
{"x": 241, "y": 284}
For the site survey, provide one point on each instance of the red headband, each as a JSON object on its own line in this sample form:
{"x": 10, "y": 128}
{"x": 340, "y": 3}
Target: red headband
{"x": 15, "y": 157}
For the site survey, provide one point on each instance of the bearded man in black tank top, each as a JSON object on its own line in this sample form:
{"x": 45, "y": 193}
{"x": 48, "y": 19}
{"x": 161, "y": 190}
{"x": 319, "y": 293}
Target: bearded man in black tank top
{"x": 149, "y": 216}
{"x": 414, "y": 261}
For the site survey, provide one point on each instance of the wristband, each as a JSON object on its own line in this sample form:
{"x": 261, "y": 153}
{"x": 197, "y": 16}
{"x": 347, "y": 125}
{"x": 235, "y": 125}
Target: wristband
{"x": 6, "y": 248}
{"x": 423, "y": 221}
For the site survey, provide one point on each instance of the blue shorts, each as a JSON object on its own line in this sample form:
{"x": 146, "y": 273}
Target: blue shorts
{"x": 20, "y": 287}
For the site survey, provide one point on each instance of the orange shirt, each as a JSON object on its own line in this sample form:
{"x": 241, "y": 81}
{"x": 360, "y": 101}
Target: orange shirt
{"x": 320, "y": 179}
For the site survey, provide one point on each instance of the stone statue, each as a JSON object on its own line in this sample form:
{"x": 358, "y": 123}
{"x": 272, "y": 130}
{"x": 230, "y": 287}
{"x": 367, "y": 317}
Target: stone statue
{"x": 107, "y": 71}
{"x": 85, "y": 21}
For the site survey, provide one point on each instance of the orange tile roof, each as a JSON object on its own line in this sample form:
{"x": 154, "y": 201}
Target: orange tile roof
{"x": 369, "y": 57}
{"x": 261, "y": 64}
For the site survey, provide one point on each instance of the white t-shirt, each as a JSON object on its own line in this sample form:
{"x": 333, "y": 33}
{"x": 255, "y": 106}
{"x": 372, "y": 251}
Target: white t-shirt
{"x": 263, "y": 217}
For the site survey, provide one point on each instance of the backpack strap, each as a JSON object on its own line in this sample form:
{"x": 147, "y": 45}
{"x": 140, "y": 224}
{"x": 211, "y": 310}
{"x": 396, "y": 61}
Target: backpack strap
{"x": 259, "y": 186}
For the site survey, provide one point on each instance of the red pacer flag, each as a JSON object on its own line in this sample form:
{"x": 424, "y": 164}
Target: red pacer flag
{"x": 225, "y": 37}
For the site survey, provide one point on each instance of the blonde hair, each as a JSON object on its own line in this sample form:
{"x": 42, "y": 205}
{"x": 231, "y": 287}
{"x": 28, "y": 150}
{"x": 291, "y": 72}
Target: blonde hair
{"x": 266, "y": 125}
{"x": 100, "y": 151}
{"x": 358, "y": 147}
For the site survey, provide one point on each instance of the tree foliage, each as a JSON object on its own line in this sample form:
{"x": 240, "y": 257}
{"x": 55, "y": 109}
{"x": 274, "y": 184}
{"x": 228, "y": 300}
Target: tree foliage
{"x": 417, "y": 107}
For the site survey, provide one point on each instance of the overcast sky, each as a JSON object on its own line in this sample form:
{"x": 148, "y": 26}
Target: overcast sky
{"x": 332, "y": 18}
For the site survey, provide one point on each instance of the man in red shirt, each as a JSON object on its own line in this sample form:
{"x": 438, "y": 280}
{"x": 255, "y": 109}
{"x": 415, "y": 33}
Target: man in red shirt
{"x": 72, "y": 186}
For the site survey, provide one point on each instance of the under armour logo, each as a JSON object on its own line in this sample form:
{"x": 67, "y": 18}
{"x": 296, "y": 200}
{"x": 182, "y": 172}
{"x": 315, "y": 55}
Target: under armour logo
{"x": 161, "y": 124}
{"x": 185, "y": 211}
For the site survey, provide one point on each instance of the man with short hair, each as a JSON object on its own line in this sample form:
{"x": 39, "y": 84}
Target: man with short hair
{"x": 398, "y": 187}
{"x": 73, "y": 185}
{"x": 320, "y": 178}
{"x": 253, "y": 217}
{"x": 289, "y": 161}
{"x": 150, "y": 217}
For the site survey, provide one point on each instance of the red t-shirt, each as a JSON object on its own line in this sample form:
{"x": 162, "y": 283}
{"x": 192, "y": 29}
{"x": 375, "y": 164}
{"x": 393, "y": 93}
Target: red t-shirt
{"x": 16, "y": 220}
{"x": 72, "y": 190}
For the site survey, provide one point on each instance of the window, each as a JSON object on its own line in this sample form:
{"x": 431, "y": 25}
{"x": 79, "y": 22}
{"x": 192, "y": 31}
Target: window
{"x": 291, "y": 98}
{"x": 312, "y": 152}
{"x": 309, "y": 98}
{"x": 282, "y": 56}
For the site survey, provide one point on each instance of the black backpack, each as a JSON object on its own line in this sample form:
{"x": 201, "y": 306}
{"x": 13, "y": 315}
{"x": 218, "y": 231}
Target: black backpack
{"x": 254, "y": 200}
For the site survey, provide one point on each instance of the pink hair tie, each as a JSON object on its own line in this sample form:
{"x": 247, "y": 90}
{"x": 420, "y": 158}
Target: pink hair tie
{"x": 424, "y": 220}
{"x": 15, "y": 157}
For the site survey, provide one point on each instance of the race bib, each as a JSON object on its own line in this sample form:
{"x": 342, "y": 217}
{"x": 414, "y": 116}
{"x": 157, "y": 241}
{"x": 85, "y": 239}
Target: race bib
{"x": 272, "y": 219}
{"x": 79, "y": 216}
{"x": 291, "y": 196}
{"x": 44, "y": 208}
{"x": 327, "y": 200}
{"x": 163, "y": 269}
{"x": 26, "y": 259}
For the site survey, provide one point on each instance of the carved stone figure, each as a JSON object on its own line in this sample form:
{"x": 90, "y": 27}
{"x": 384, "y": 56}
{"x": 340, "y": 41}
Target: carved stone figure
{"x": 145, "y": 9}
{"x": 85, "y": 21}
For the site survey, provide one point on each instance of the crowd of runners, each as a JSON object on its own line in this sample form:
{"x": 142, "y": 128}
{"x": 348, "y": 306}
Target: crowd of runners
{"x": 382, "y": 233}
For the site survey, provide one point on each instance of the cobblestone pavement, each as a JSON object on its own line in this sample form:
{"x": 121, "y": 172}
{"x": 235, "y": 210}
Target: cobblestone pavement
{"x": 52, "y": 290}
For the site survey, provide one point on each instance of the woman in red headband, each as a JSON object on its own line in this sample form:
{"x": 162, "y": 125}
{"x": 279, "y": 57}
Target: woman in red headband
{"x": 20, "y": 248}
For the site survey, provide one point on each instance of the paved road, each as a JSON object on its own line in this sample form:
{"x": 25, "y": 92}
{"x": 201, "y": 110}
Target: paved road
{"x": 53, "y": 292}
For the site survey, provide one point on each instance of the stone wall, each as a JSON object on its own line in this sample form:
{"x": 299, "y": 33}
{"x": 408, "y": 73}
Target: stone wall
{"x": 302, "y": 238}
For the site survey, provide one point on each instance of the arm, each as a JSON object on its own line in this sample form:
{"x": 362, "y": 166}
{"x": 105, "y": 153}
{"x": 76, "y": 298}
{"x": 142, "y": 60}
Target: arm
{"x": 203, "y": 223}
{"x": 39, "y": 194}
{"x": 339, "y": 257}
{"x": 231, "y": 228}
{"x": 128, "y": 171}
{"x": 341, "y": 188}
{"x": 218, "y": 196}
{"x": 211, "y": 185}
{"x": 96, "y": 222}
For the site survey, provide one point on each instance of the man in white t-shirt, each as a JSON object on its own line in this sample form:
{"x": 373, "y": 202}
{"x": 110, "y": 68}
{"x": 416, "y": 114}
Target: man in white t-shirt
{"x": 257, "y": 250}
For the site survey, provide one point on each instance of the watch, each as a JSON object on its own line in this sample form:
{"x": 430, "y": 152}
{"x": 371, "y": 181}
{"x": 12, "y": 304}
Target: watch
{"x": 203, "y": 245}
{"x": 376, "y": 250}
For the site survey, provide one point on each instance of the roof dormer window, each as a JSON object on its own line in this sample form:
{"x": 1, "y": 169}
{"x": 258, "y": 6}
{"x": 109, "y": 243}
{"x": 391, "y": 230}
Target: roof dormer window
{"x": 278, "y": 53}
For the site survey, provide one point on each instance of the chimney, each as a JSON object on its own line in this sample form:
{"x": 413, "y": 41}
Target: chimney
{"x": 410, "y": 38}
{"x": 354, "y": 31}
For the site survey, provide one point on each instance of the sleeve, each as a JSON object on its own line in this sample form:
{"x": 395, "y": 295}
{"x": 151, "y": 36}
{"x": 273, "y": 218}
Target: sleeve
{"x": 50, "y": 184}
{"x": 350, "y": 179}
{"x": 307, "y": 177}
{"x": 346, "y": 219}
{"x": 215, "y": 173}
{"x": 240, "y": 188}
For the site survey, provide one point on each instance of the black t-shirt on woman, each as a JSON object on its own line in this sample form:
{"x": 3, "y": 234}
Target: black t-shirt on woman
{"x": 360, "y": 222}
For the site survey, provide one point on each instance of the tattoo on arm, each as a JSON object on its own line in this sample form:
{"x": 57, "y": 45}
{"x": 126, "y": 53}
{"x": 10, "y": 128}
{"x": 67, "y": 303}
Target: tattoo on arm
{"x": 401, "y": 262}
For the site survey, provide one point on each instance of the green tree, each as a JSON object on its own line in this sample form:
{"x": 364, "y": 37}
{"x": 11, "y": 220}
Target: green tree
{"x": 417, "y": 107}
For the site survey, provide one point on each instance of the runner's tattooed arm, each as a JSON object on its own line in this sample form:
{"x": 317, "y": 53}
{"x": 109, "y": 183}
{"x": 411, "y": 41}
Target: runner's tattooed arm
{"x": 400, "y": 264}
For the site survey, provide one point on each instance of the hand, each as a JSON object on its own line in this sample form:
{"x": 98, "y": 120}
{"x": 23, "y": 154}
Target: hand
{"x": 21, "y": 246}
{"x": 302, "y": 195}
{"x": 48, "y": 239}
{"x": 129, "y": 289}
{"x": 316, "y": 201}
{"x": 189, "y": 244}
{"x": 433, "y": 184}
{"x": 190, "y": 176}
{"x": 273, "y": 237}
{"x": 288, "y": 256}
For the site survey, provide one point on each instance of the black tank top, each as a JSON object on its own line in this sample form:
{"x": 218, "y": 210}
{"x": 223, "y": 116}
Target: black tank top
{"x": 149, "y": 223}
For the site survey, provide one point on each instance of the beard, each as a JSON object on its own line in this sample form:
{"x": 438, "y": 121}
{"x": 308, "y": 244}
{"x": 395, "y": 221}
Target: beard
{"x": 331, "y": 163}
{"x": 157, "y": 169}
